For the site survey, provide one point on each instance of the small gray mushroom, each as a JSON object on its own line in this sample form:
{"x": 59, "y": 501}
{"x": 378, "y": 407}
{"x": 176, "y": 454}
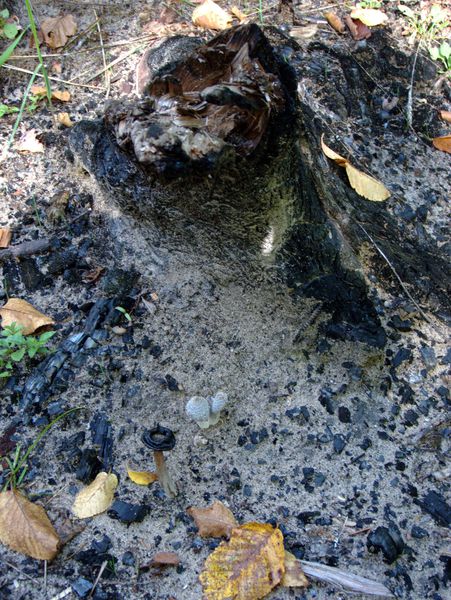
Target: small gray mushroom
{"x": 217, "y": 403}
{"x": 198, "y": 409}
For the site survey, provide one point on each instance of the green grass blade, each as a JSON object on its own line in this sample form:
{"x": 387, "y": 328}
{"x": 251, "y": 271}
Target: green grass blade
{"x": 10, "y": 49}
{"x": 38, "y": 50}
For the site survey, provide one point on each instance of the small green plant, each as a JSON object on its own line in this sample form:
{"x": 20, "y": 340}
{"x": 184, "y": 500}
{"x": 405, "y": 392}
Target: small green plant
{"x": 7, "y": 110}
{"x": 15, "y": 347}
{"x": 7, "y": 30}
{"x": 17, "y": 466}
{"x": 369, "y": 4}
{"x": 426, "y": 23}
{"x": 122, "y": 310}
{"x": 442, "y": 53}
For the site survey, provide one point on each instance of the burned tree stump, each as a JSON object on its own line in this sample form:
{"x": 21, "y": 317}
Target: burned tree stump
{"x": 225, "y": 137}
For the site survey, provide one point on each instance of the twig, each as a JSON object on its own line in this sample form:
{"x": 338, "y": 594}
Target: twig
{"x": 340, "y": 533}
{"x": 114, "y": 62}
{"x": 15, "y": 569}
{"x": 99, "y": 575}
{"x": 45, "y": 576}
{"x": 395, "y": 273}
{"x": 91, "y": 87}
{"x": 345, "y": 580}
{"x": 25, "y": 249}
{"x": 107, "y": 73}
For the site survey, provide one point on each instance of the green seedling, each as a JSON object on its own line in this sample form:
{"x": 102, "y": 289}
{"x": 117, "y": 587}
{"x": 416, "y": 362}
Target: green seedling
{"x": 442, "y": 53}
{"x": 7, "y": 110}
{"x": 369, "y": 4}
{"x": 16, "y": 347}
{"x": 17, "y": 466}
{"x": 427, "y": 25}
{"x": 122, "y": 310}
{"x": 7, "y": 30}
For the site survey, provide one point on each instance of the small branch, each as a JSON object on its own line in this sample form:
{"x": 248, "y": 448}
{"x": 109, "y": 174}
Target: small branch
{"x": 107, "y": 73}
{"x": 25, "y": 249}
{"x": 83, "y": 85}
{"x": 409, "y": 106}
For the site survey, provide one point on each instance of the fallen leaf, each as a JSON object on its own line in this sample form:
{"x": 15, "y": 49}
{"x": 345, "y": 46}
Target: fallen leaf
{"x": 304, "y": 32}
{"x": 64, "y": 119}
{"x": 26, "y": 528}
{"x": 369, "y": 16}
{"x": 294, "y": 575}
{"x": 30, "y": 143}
{"x": 62, "y": 96}
{"x": 236, "y": 12}
{"x": 96, "y": 497}
{"x": 443, "y": 143}
{"x": 365, "y": 185}
{"x": 5, "y": 237}
{"x": 359, "y": 30}
{"x": 142, "y": 477}
{"x": 335, "y": 22}
{"x": 93, "y": 275}
{"x": 210, "y": 15}
{"x": 445, "y": 115}
{"x": 23, "y": 313}
{"x": 214, "y": 521}
{"x": 163, "y": 559}
{"x": 57, "y": 30}
{"x": 247, "y": 567}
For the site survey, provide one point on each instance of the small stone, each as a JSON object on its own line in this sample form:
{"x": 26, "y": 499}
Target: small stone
{"x": 118, "y": 330}
{"x": 402, "y": 355}
{"x": 339, "y": 443}
{"x": 82, "y": 587}
{"x": 410, "y": 418}
{"x": 418, "y": 532}
{"x": 386, "y": 540}
{"x": 128, "y": 559}
{"x": 172, "y": 383}
{"x": 127, "y": 513}
{"x": 428, "y": 356}
{"x": 344, "y": 414}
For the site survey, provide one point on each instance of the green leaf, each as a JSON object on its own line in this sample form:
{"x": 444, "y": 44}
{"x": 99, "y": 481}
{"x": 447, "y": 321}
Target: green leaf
{"x": 7, "y": 110}
{"x": 4, "y": 374}
{"x": 4, "y": 14}
{"x": 10, "y": 49}
{"x": 445, "y": 50}
{"x": 405, "y": 10}
{"x": 44, "y": 337}
{"x": 10, "y": 30}
{"x": 18, "y": 355}
{"x": 434, "y": 53}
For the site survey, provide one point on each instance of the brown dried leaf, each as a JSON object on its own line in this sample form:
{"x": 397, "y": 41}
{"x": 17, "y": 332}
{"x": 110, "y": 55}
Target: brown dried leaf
{"x": 30, "y": 143}
{"x": 96, "y": 497}
{"x": 358, "y": 30}
{"x": 236, "y": 12}
{"x": 23, "y": 313}
{"x": 443, "y": 143}
{"x": 26, "y": 528}
{"x": 247, "y": 567}
{"x": 62, "y": 96}
{"x": 446, "y": 115}
{"x": 335, "y": 22}
{"x": 163, "y": 559}
{"x": 210, "y": 15}
{"x": 304, "y": 32}
{"x": 214, "y": 521}
{"x": 64, "y": 119}
{"x": 294, "y": 575}
{"x": 369, "y": 16}
{"x": 5, "y": 237}
{"x": 57, "y": 30}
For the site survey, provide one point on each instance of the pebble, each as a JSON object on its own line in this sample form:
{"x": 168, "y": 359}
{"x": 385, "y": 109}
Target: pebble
{"x": 339, "y": 443}
{"x": 128, "y": 559}
{"x": 387, "y": 540}
{"x": 344, "y": 414}
{"x": 82, "y": 587}
{"x": 128, "y": 513}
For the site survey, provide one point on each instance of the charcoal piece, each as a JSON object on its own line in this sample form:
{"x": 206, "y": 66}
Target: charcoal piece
{"x": 435, "y": 504}
{"x": 119, "y": 283}
{"x": 89, "y": 466}
{"x": 127, "y": 513}
{"x": 82, "y": 587}
{"x": 102, "y": 437}
{"x": 387, "y": 540}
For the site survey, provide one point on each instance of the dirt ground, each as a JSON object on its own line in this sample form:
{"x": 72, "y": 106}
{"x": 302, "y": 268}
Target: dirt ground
{"x": 327, "y": 439}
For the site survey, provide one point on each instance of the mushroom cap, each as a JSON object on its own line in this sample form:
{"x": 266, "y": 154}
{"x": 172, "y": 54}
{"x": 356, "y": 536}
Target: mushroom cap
{"x": 218, "y": 401}
{"x": 159, "y": 438}
{"x": 197, "y": 408}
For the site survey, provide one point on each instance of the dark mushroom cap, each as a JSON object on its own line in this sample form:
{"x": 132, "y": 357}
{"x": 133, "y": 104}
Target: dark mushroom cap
{"x": 159, "y": 438}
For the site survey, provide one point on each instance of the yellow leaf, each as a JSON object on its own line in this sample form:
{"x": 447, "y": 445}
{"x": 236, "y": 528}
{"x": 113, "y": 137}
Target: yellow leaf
{"x": 340, "y": 160}
{"x": 5, "y": 237}
{"x": 365, "y": 185}
{"x": 215, "y": 521}
{"x": 294, "y": 575}
{"x": 26, "y": 528}
{"x": 236, "y": 12}
{"x": 62, "y": 96}
{"x": 371, "y": 17}
{"x": 443, "y": 143}
{"x": 210, "y": 15}
{"x": 247, "y": 567}
{"x": 64, "y": 119}
{"x": 57, "y": 30}
{"x": 21, "y": 312}
{"x": 142, "y": 477}
{"x": 96, "y": 497}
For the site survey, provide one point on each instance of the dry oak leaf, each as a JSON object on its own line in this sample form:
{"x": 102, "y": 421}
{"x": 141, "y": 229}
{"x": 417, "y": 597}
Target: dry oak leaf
{"x": 247, "y": 567}
{"x": 26, "y": 528}
{"x": 294, "y": 575}
{"x": 30, "y": 143}
{"x": 96, "y": 497}
{"x": 443, "y": 143}
{"x": 334, "y": 21}
{"x": 57, "y": 30}
{"x": 142, "y": 477}
{"x": 62, "y": 96}
{"x": 359, "y": 30}
{"x": 363, "y": 184}
{"x": 214, "y": 521}
{"x": 24, "y": 314}
{"x": 5, "y": 237}
{"x": 210, "y": 15}
{"x": 371, "y": 17}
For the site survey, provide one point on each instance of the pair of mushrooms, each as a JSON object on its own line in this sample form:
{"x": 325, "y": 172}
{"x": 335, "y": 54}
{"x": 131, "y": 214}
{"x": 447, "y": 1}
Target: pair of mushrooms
{"x": 206, "y": 411}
